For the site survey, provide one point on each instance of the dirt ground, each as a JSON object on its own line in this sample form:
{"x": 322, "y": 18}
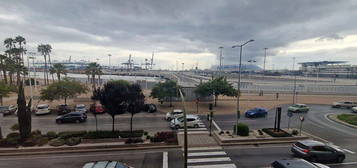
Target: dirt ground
{"x": 225, "y": 105}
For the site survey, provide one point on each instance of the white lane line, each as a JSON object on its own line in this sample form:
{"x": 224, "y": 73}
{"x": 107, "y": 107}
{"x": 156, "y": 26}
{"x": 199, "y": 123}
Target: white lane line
{"x": 351, "y": 152}
{"x": 214, "y": 166}
{"x": 346, "y": 163}
{"x": 194, "y": 129}
{"x": 215, "y": 124}
{"x": 207, "y": 153}
{"x": 201, "y": 160}
{"x": 165, "y": 160}
{"x": 204, "y": 148}
{"x": 194, "y": 132}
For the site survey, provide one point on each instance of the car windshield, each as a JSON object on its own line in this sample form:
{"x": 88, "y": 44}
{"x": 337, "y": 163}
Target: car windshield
{"x": 4, "y": 107}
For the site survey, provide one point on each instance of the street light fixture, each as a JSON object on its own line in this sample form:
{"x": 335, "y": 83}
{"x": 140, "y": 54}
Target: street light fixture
{"x": 239, "y": 75}
{"x": 250, "y": 71}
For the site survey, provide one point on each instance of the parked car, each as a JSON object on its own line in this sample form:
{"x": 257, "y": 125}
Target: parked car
{"x": 296, "y": 163}
{"x": 106, "y": 164}
{"x": 256, "y": 112}
{"x": 72, "y": 117}
{"x": 174, "y": 114}
{"x": 344, "y": 104}
{"x": 192, "y": 121}
{"x": 63, "y": 109}
{"x": 97, "y": 109}
{"x": 42, "y": 109}
{"x": 7, "y": 110}
{"x": 81, "y": 108}
{"x": 316, "y": 151}
{"x": 297, "y": 108}
{"x": 354, "y": 109}
{"x": 151, "y": 108}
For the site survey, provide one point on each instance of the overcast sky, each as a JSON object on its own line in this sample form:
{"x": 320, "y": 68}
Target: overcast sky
{"x": 188, "y": 31}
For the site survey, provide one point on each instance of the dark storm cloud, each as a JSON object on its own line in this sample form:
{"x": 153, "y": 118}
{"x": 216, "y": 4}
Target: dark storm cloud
{"x": 192, "y": 26}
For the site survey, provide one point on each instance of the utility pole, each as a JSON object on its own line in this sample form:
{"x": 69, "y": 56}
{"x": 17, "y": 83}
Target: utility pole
{"x": 110, "y": 71}
{"x": 265, "y": 56}
{"x": 220, "y": 60}
{"x": 239, "y": 77}
{"x": 294, "y": 94}
{"x": 185, "y": 128}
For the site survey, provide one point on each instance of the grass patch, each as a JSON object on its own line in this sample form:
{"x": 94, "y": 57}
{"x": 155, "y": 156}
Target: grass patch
{"x": 348, "y": 118}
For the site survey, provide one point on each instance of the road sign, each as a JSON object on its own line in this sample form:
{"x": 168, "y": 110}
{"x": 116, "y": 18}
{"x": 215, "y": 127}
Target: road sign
{"x": 290, "y": 114}
{"x": 302, "y": 118}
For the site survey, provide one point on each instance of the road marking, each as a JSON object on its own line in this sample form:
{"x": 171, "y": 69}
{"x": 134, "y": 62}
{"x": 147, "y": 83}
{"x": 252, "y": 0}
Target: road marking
{"x": 214, "y": 166}
{"x": 346, "y": 163}
{"x": 215, "y": 124}
{"x": 207, "y": 153}
{"x": 165, "y": 160}
{"x": 194, "y": 129}
{"x": 351, "y": 152}
{"x": 194, "y": 132}
{"x": 218, "y": 159}
{"x": 205, "y": 148}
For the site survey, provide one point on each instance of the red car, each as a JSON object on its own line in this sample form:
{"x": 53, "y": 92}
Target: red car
{"x": 97, "y": 109}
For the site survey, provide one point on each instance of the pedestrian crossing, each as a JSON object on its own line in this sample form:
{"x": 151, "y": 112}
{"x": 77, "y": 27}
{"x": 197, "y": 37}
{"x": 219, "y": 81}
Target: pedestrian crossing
{"x": 201, "y": 129}
{"x": 208, "y": 157}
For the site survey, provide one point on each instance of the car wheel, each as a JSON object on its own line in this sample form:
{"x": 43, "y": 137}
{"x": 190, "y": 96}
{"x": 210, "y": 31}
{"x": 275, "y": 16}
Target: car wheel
{"x": 58, "y": 121}
{"x": 340, "y": 159}
{"x": 337, "y": 106}
{"x": 313, "y": 159}
{"x": 78, "y": 121}
{"x": 196, "y": 126}
{"x": 177, "y": 127}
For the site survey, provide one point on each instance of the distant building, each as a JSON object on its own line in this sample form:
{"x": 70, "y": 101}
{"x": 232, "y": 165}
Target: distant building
{"x": 234, "y": 67}
{"x": 338, "y": 69}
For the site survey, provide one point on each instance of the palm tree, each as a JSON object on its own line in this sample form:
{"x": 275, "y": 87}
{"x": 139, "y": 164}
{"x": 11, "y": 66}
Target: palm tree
{"x": 45, "y": 50}
{"x": 22, "y": 41}
{"x": 9, "y": 43}
{"x": 93, "y": 69}
{"x": 58, "y": 69}
{"x": 49, "y": 49}
{"x": 11, "y": 68}
{"x": 3, "y": 66}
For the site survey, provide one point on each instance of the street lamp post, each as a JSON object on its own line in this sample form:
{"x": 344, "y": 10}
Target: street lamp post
{"x": 250, "y": 72}
{"x": 220, "y": 60}
{"x": 239, "y": 75}
{"x": 265, "y": 56}
{"x": 110, "y": 71}
{"x": 294, "y": 94}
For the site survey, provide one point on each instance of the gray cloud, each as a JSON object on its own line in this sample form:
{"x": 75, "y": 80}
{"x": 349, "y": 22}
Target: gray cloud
{"x": 187, "y": 26}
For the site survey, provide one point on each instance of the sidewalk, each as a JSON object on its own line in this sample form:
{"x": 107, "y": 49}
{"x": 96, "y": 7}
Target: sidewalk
{"x": 197, "y": 139}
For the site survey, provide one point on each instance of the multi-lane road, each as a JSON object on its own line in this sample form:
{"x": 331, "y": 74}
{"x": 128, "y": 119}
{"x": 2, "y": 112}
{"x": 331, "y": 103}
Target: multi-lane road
{"x": 258, "y": 156}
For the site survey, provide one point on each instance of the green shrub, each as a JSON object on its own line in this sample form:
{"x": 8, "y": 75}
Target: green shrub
{"x": 13, "y": 134}
{"x": 102, "y": 134}
{"x": 36, "y": 133}
{"x": 70, "y": 134}
{"x": 42, "y": 141}
{"x": 241, "y": 129}
{"x": 29, "y": 142}
{"x": 15, "y": 127}
{"x": 134, "y": 134}
{"x": 295, "y": 132}
{"x": 146, "y": 133}
{"x": 133, "y": 140}
{"x": 168, "y": 137}
{"x": 51, "y": 135}
{"x": 73, "y": 141}
{"x": 271, "y": 132}
{"x": 56, "y": 142}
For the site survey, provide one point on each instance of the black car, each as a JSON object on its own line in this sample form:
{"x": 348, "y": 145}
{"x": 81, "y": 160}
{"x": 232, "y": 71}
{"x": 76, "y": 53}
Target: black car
{"x": 296, "y": 163}
{"x": 316, "y": 151}
{"x": 63, "y": 109}
{"x": 151, "y": 108}
{"x": 72, "y": 117}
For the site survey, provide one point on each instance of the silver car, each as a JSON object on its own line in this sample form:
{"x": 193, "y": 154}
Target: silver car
{"x": 192, "y": 121}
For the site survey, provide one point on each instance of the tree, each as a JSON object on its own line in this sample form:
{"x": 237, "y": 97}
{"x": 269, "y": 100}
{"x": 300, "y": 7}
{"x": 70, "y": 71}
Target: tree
{"x": 93, "y": 69}
{"x": 135, "y": 101}
{"x": 59, "y": 69}
{"x": 5, "y": 90}
{"x": 113, "y": 96}
{"x": 162, "y": 91}
{"x": 23, "y": 114}
{"x": 45, "y": 50}
{"x": 63, "y": 89}
{"x": 217, "y": 86}
{"x": 3, "y": 67}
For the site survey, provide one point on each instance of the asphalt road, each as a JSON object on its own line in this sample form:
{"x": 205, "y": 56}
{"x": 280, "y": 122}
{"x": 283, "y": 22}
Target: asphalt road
{"x": 151, "y": 122}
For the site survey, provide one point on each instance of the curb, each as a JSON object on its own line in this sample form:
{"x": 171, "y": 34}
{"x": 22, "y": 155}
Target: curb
{"x": 103, "y": 148}
{"x": 333, "y": 117}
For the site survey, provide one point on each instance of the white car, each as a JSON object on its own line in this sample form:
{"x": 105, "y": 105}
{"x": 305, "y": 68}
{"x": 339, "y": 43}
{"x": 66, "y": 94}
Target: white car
{"x": 42, "y": 109}
{"x": 174, "y": 114}
{"x": 354, "y": 109}
{"x": 192, "y": 121}
{"x": 81, "y": 108}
